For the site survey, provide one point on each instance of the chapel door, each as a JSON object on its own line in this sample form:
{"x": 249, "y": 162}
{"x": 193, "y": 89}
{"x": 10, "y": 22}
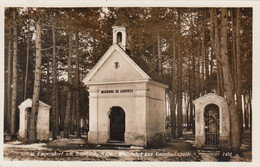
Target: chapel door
{"x": 211, "y": 117}
{"x": 117, "y": 124}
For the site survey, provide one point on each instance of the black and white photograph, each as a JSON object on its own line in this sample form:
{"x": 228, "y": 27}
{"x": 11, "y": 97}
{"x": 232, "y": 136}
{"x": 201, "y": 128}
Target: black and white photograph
{"x": 115, "y": 83}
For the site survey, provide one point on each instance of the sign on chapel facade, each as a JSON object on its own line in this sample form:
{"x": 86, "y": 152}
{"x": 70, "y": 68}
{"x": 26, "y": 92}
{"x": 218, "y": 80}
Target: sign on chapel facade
{"x": 125, "y": 103}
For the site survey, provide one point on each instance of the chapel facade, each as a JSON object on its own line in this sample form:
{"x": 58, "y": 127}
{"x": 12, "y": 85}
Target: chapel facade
{"x": 43, "y": 120}
{"x": 212, "y": 122}
{"x": 126, "y": 99}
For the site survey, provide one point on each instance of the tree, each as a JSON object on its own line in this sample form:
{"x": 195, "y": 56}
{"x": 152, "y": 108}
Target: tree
{"x": 179, "y": 75}
{"x": 173, "y": 108}
{"x": 189, "y": 103}
{"x": 214, "y": 38}
{"x": 228, "y": 84}
{"x": 193, "y": 84}
{"x": 9, "y": 77}
{"x": 159, "y": 53}
{"x": 14, "y": 83}
{"x": 203, "y": 57}
{"x": 55, "y": 112}
{"x": 69, "y": 94}
{"x": 238, "y": 66}
{"x": 198, "y": 85}
{"x": 37, "y": 81}
{"x": 27, "y": 66}
{"x": 77, "y": 87}
{"x": 233, "y": 59}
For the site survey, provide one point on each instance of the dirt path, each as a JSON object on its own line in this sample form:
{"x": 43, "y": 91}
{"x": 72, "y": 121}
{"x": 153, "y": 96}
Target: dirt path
{"x": 181, "y": 149}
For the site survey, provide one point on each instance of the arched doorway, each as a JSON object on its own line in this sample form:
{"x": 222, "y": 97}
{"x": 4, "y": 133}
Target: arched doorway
{"x": 211, "y": 117}
{"x": 117, "y": 124}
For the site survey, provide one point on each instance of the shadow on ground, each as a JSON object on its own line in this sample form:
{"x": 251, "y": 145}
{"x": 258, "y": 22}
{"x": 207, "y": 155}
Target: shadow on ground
{"x": 75, "y": 149}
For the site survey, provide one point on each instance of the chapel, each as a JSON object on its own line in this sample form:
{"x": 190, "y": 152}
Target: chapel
{"x": 43, "y": 120}
{"x": 126, "y": 98}
{"x": 212, "y": 122}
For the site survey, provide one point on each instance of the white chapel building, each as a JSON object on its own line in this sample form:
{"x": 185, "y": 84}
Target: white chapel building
{"x": 126, "y": 99}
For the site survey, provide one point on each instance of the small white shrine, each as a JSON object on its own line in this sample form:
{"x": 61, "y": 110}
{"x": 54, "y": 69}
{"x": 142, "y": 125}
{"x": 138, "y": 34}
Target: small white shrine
{"x": 212, "y": 125}
{"x": 43, "y": 120}
{"x": 126, "y": 102}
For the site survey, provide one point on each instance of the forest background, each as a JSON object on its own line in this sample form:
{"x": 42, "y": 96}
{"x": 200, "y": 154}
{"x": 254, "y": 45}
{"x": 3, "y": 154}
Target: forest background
{"x": 48, "y": 51}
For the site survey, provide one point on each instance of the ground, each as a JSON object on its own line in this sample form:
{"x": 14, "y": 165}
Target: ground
{"x": 74, "y": 149}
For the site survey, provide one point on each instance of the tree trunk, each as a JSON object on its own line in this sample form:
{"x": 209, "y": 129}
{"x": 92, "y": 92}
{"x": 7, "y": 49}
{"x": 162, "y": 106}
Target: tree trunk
{"x": 179, "y": 74}
{"x": 72, "y": 118}
{"x": 59, "y": 119}
{"x": 26, "y": 68}
{"x": 211, "y": 64}
{"x": 159, "y": 53}
{"x": 77, "y": 87}
{"x": 9, "y": 99}
{"x": 37, "y": 81}
{"x": 54, "y": 88}
{"x": 153, "y": 37}
{"x": 228, "y": 83}
{"x": 246, "y": 111}
{"x": 14, "y": 83}
{"x": 238, "y": 58}
{"x": 234, "y": 59}
{"x": 215, "y": 45}
{"x": 48, "y": 69}
{"x": 193, "y": 84}
{"x": 220, "y": 80}
{"x": 69, "y": 94}
{"x": 213, "y": 42}
{"x": 191, "y": 112}
{"x": 250, "y": 112}
{"x": 207, "y": 72}
{"x": 57, "y": 113}
{"x": 206, "y": 58}
{"x": 189, "y": 94}
{"x": 198, "y": 85}
{"x": 61, "y": 109}
{"x": 59, "y": 123}
{"x": 187, "y": 112}
{"x": 203, "y": 59}
{"x": 173, "y": 112}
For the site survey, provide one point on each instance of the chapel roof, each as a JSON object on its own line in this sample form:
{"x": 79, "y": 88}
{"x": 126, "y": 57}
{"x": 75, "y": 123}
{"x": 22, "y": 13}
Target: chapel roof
{"x": 208, "y": 96}
{"x": 28, "y": 103}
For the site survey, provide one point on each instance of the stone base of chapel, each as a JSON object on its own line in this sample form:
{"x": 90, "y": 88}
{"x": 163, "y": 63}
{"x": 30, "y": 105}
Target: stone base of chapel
{"x": 152, "y": 140}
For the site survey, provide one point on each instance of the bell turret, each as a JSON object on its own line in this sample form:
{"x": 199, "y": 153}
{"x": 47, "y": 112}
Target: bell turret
{"x": 119, "y": 36}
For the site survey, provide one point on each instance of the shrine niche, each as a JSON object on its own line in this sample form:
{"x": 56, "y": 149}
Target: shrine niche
{"x": 126, "y": 98}
{"x": 43, "y": 120}
{"x": 212, "y": 125}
